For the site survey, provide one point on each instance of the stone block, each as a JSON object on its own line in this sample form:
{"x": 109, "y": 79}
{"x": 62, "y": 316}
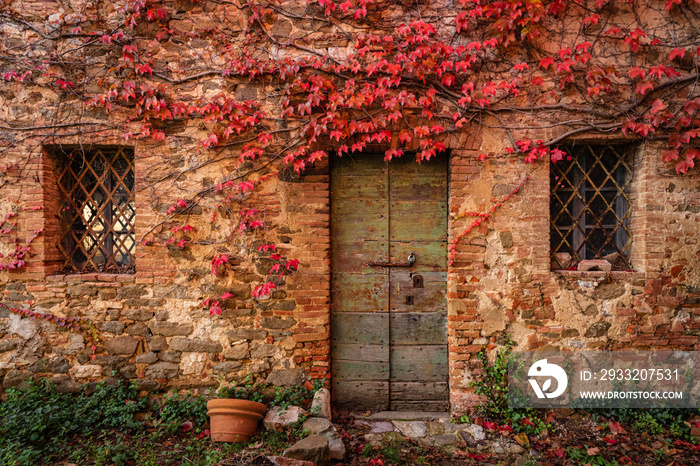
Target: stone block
{"x": 127, "y": 372}
{"x": 147, "y": 385}
{"x": 444, "y": 439}
{"x": 472, "y": 434}
{"x": 286, "y": 377}
{"x": 138, "y": 329}
{"x": 594, "y": 264}
{"x": 278, "y": 418}
{"x": 170, "y": 356}
{"x": 451, "y": 428}
{"x": 162, "y": 370}
{"x": 125, "y": 345}
{"x": 313, "y": 448}
{"x": 157, "y": 344}
{"x": 239, "y": 351}
{"x": 131, "y": 291}
{"x": 282, "y": 461}
{"x": 336, "y": 448}
{"x": 263, "y": 350}
{"x": 193, "y": 363}
{"x": 170, "y": 329}
{"x": 659, "y": 319}
{"x": 382, "y": 427}
{"x": 139, "y": 315}
{"x": 246, "y": 334}
{"x": 195, "y": 345}
{"x": 16, "y": 379}
{"x": 227, "y": 367}
{"x": 412, "y": 429}
{"x": 87, "y": 371}
{"x": 321, "y": 405}
{"x": 317, "y": 425}
{"x": 9, "y": 345}
{"x": 64, "y": 384}
{"x": 597, "y": 330}
{"x": 55, "y": 365}
{"x": 278, "y": 323}
{"x": 113, "y": 326}
{"x": 147, "y": 358}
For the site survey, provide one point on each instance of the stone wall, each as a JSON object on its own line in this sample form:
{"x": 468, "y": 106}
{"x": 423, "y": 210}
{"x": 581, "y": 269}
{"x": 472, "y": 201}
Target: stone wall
{"x": 150, "y": 326}
{"x": 501, "y": 282}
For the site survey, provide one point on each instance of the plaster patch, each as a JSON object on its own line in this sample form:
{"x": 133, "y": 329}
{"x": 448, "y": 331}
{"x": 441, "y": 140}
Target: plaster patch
{"x": 494, "y": 318}
{"x": 25, "y": 328}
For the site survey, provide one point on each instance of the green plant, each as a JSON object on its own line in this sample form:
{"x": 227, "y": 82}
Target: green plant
{"x": 283, "y": 397}
{"x": 36, "y": 422}
{"x": 494, "y": 383}
{"x": 583, "y": 456}
{"x": 297, "y": 396}
{"x": 249, "y": 391}
{"x": 176, "y": 410}
{"x": 494, "y": 386}
{"x": 647, "y": 423}
{"x": 651, "y": 420}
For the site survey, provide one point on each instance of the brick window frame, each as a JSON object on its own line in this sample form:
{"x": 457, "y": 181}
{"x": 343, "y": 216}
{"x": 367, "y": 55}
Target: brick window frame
{"x": 95, "y": 204}
{"x": 591, "y": 204}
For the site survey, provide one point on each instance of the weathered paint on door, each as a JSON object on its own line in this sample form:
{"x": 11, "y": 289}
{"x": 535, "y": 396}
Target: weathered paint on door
{"x": 389, "y": 324}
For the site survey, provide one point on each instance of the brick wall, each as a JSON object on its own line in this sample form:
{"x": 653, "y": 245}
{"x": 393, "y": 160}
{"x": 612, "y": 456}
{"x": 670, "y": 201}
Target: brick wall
{"x": 150, "y": 326}
{"x": 500, "y": 282}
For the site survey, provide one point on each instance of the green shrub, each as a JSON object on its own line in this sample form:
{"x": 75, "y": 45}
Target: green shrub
{"x": 36, "y": 422}
{"x": 176, "y": 409}
{"x": 494, "y": 386}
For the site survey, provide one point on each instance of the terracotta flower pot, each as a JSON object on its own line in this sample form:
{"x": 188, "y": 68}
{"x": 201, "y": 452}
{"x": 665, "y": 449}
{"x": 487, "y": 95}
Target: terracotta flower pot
{"x": 234, "y": 420}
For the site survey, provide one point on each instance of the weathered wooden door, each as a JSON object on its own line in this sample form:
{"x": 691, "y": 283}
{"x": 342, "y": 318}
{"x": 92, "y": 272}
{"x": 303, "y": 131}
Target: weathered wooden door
{"x": 389, "y": 323}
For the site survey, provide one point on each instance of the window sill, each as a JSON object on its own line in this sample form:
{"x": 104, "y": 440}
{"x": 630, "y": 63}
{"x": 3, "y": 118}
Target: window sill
{"x": 93, "y": 277}
{"x": 613, "y": 274}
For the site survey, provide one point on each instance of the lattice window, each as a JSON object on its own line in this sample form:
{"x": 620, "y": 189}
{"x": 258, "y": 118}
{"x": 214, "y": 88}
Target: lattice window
{"x": 97, "y": 209}
{"x": 589, "y": 204}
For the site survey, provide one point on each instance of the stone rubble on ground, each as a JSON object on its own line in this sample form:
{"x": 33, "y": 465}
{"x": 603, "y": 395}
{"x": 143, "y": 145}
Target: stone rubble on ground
{"x": 277, "y": 418}
{"x": 321, "y": 426}
{"x": 441, "y": 432}
{"x": 321, "y": 405}
{"x": 313, "y": 448}
{"x": 282, "y": 461}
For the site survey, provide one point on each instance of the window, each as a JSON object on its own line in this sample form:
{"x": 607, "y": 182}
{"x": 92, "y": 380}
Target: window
{"x": 97, "y": 209}
{"x": 589, "y": 204}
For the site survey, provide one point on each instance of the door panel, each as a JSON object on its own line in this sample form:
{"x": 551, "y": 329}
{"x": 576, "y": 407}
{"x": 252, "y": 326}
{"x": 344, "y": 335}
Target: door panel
{"x": 360, "y": 293}
{"x": 389, "y": 324}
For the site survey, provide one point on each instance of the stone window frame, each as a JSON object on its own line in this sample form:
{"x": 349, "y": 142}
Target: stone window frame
{"x": 615, "y": 181}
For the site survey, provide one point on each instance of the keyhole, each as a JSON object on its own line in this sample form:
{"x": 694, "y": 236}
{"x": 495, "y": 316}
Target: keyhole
{"x": 417, "y": 281}
{"x": 409, "y": 300}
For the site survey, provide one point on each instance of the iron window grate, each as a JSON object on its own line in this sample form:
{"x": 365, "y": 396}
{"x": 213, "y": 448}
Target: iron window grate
{"x": 98, "y": 210}
{"x": 589, "y": 204}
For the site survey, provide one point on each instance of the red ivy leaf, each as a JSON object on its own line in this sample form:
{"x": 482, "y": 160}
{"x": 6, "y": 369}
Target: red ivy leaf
{"x": 644, "y": 87}
{"x": 676, "y": 53}
{"x": 546, "y": 62}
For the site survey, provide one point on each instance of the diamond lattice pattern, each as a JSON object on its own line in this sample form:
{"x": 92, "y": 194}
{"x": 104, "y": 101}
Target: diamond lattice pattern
{"x": 589, "y": 204}
{"x": 97, "y": 231}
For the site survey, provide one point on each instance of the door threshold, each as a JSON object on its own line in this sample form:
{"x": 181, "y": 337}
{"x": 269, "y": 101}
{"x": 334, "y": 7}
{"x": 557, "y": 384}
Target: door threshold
{"x": 404, "y": 416}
